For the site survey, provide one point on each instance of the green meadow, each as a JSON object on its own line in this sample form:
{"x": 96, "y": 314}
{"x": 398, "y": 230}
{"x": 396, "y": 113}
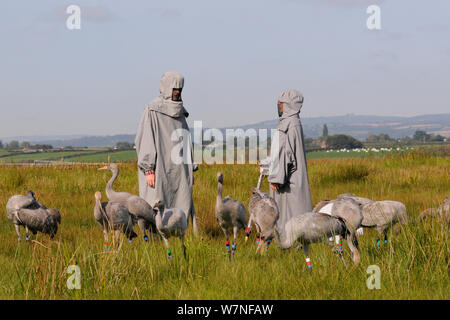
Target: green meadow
{"x": 414, "y": 264}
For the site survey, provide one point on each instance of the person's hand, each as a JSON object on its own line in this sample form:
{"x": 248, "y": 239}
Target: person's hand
{"x": 150, "y": 179}
{"x": 274, "y": 186}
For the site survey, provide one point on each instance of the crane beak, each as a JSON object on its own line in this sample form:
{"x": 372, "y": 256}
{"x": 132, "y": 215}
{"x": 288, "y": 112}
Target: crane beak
{"x": 103, "y": 168}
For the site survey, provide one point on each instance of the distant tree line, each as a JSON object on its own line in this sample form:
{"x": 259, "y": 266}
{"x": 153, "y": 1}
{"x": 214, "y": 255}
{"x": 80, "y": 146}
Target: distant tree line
{"x": 425, "y": 137}
{"x": 340, "y": 141}
{"x": 337, "y": 141}
{"x": 15, "y": 145}
{"x": 123, "y": 145}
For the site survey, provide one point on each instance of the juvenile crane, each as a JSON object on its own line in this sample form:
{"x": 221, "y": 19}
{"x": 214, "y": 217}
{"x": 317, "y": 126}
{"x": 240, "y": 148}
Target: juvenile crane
{"x": 170, "y": 222}
{"x": 381, "y": 215}
{"x": 113, "y": 216}
{"x": 443, "y": 212}
{"x": 17, "y": 202}
{"x": 230, "y": 214}
{"x": 141, "y": 211}
{"x": 264, "y": 213}
{"x": 40, "y": 219}
{"x": 312, "y": 227}
{"x": 347, "y": 209}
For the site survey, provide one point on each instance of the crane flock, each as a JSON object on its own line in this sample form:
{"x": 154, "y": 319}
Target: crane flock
{"x": 344, "y": 217}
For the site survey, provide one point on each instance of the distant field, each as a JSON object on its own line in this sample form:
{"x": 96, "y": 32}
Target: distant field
{"x": 119, "y": 156}
{"x": 90, "y": 155}
{"x": 96, "y": 155}
{"x": 335, "y": 154}
{"x": 44, "y": 156}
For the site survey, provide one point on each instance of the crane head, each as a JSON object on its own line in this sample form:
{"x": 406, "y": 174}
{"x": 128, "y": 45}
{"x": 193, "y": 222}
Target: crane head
{"x": 110, "y": 166}
{"x": 159, "y": 205}
{"x": 30, "y": 193}
{"x": 98, "y": 196}
{"x": 220, "y": 177}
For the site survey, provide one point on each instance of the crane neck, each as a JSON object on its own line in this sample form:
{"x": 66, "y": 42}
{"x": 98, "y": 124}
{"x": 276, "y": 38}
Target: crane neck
{"x": 219, "y": 194}
{"x": 285, "y": 241}
{"x": 158, "y": 218}
{"x": 99, "y": 208}
{"x": 109, "y": 186}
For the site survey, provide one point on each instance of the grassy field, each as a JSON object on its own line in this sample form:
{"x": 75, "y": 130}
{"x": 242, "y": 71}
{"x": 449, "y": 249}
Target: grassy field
{"x": 313, "y": 155}
{"x": 414, "y": 264}
{"x": 52, "y": 156}
{"x": 93, "y": 155}
{"x": 118, "y": 156}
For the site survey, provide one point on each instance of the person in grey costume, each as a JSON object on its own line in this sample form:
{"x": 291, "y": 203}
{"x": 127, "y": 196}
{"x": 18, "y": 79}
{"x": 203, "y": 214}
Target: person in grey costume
{"x": 288, "y": 172}
{"x": 162, "y": 140}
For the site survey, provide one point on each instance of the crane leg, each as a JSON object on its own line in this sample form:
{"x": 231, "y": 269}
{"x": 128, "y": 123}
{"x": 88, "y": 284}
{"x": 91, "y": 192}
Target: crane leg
{"x": 355, "y": 252}
{"x": 141, "y": 224}
{"x": 169, "y": 251}
{"x": 184, "y": 248}
{"x": 117, "y": 238}
{"x": 341, "y": 252}
{"x": 248, "y": 231}
{"x": 308, "y": 260}
{"x": 17, "y": 227}
{"x": 26, "y": 230}
{"x": 258, "y": 237}
{"x": 105, "y": 235}
{"x": 259, "y": 247}
{"x": 194, "y": 224}
{"x": 264, "y": 245}
{"x": 233, "y": 247}
{"x": 227, "y": 241}
{"x": 355, "y": 241}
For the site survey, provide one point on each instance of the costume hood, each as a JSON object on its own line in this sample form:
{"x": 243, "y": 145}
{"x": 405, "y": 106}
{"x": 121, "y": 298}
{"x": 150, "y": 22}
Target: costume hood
{"x": 164, "y": 103}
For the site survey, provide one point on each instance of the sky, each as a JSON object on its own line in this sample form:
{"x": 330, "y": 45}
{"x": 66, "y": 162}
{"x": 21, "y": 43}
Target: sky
{"x": 236, "y": 56}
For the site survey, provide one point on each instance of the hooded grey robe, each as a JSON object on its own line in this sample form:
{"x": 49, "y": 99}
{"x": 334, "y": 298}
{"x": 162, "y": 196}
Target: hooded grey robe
{"x": 288, "y": 166}
{"x": 154, "y": 146}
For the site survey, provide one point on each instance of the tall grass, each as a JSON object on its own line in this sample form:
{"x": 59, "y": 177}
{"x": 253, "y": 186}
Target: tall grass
{"x": 414, "y": 264}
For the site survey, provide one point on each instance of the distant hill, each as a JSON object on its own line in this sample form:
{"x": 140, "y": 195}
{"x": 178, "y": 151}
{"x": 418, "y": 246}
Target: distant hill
{"x": 357, "y": 126}
{"x": 361, "y": 127}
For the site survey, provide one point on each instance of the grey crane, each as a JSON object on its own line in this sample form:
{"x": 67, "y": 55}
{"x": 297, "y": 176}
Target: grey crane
{"x": 443, "y": 212}
{"x": 113, "y": 216}
{"x": 360, "y": 200}
{"x": 264, "y": 213}
{"x": 381, "y": 215}
{"x": 230, "y": 214}
{"x": 17, "y": 202}
{"x": 346, "y": 208}
{"x": 263, "y": 170}
{"x": 141, "y": 211}
{"x": 170, "y": 222}
{"x": 312, "y": 227}
{"x": 40, "y": 219}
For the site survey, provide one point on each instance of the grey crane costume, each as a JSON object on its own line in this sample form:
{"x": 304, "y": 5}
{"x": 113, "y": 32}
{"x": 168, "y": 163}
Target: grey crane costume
{"x": 163, "y": 130}
{"x": 288, "y": 163}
